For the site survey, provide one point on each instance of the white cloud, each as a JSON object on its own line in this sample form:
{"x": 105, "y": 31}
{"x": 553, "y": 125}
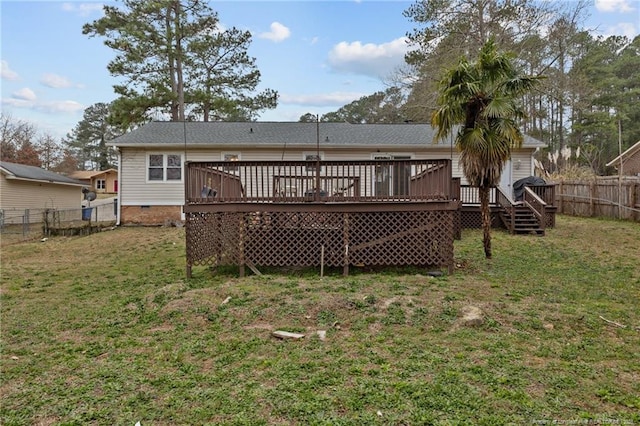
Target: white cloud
{"x": 56, "y": 81}
{"x": 17, "y": 103}
{"x": 82, "y": 9}
{"x": 7, "y": 73}
{"x": 377, "y": 60}
{"x": 323, "y": 99}
{"x": 24, "y": 94}
{"x": 278, "y": 33}
{"x": 51, "y": 107}
{"x": 60, "y": 107}
{"x": 614, "y": 6}
{"x": 622, "y": 28}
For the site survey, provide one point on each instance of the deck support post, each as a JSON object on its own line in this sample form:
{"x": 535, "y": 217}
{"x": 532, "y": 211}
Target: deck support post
{"x": 345, "y": 239}
{"x": 241, "y": 246}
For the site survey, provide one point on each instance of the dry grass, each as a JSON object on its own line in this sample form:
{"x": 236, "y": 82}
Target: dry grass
{"x": 106, "y": 330}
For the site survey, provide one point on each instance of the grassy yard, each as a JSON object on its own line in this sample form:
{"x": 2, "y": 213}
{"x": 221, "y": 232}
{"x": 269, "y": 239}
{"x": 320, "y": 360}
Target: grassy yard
{"x": 107, "y": 330}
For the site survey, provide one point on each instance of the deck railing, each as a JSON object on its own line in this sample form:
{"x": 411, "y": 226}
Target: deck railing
{"x": 318, "y": 181}
{"x": 547, "y": 193}
{"x": 536, "y": 204}
{"x": 508, "y": 205}
{"x": 470, "y": 195}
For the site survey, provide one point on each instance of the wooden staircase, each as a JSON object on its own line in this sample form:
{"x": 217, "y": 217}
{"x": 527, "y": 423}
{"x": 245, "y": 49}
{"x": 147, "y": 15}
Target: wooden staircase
{"x": 526, "y": 217}
{"x": 520, "y": 219}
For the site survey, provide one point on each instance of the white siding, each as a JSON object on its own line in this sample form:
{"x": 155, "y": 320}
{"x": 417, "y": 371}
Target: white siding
{"x": 135, "y": 190}
{"x": 526, "y": 166}
{"x": 522, "y": 164}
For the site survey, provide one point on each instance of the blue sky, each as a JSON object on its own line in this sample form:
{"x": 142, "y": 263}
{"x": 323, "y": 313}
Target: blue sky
{"x": 319, "y": 55}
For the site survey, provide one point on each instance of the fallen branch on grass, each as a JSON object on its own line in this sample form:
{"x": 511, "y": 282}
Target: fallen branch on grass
{"x": 617, "y": 324}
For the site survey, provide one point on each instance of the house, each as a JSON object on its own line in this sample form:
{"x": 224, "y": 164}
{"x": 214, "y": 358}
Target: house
{"x": 25, "y": 189}
{"x": 152, "y": 158}
{"x": 99, "y": 181}
{"x": 628, "y": 163}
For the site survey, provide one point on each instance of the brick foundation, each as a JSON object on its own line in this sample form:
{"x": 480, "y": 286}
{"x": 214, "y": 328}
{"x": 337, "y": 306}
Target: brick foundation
{"x": 150, "y": 215}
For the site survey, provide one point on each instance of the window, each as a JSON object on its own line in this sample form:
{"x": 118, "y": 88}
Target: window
{"x": 230, "y": 156}
{"x": 174, "y": 167}
{"x": 101, "y": 184}
{"x": 164, "y": 167}
{"x": 312, "y": 158}
{"x": 391, "y": 178}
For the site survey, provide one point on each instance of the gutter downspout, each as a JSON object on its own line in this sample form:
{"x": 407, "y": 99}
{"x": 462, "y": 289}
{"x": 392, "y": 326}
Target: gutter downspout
{"x": 119, "y": 196}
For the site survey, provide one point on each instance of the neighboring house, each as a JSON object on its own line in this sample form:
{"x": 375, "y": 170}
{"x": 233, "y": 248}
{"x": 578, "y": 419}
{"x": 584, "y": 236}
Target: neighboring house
{"x": 627, "y": 163}
{"x": 28, "y": 188}
{"x": 100, "y": 181}
{"x": 152, "y": 157}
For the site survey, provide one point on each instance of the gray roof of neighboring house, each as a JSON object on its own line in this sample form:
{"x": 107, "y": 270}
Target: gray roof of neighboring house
{"x": 21, "y": 171}
{"x": 269, "y": 134}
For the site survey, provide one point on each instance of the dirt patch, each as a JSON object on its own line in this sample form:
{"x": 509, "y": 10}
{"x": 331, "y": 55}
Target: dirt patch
{"x": 258, "y": 326}
{"x": 162, "y": 328}
{"x": 46, "y": 421}
{"x": 188, "y": 300}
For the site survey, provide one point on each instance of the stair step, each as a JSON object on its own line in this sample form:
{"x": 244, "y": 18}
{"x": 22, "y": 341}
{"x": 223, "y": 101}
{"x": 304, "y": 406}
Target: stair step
{"x": 523, "y": 221}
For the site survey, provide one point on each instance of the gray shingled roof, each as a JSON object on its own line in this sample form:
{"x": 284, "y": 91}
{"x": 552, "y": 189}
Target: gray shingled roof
{"x": 22, "y": 171}
{"x": 276, "y": 134}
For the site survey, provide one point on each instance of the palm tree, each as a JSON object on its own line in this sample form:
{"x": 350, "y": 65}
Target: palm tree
{"x": 479, "y": 100}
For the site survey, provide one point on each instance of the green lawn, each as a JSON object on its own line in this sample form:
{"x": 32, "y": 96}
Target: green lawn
{"x": 107, "y": 330}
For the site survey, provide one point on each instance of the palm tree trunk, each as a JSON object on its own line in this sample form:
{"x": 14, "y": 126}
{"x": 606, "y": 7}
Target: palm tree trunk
{"x": 486, "y": 219}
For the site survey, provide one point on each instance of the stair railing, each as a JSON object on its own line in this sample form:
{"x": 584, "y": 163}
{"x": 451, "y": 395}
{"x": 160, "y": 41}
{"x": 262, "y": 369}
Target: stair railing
{"x": 508, "y": 205}
{"x": 536, "y": 205}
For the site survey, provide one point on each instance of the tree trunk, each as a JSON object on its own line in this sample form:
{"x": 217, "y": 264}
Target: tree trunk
{"x": 481, "y": 30}
{"x": 206, "y": 105}
{"x": 486, "y": 219}
{"x": 172, "y": 64}
{"x": 179, "y": 56}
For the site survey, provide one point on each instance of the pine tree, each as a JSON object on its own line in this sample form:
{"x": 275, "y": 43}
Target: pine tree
{"x": 162, "y": 45}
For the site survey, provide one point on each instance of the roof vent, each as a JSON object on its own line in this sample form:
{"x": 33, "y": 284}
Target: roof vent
{"x": 250, "y": 129}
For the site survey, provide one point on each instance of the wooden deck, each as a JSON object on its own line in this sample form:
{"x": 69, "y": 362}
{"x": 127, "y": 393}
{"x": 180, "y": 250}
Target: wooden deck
{"x": 321, "y": 213}
{"x": 329, "y": 213}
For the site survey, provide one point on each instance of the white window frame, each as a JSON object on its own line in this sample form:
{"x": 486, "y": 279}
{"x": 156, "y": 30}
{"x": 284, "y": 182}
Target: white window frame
{"x": 387, "y": 156}
{"x": 392, "y": 155}
{"x": 224, "y": 157}
{"x": 306, "y": 154}
{"x": 165, "y": 167}
{"x": 101, "y": 184}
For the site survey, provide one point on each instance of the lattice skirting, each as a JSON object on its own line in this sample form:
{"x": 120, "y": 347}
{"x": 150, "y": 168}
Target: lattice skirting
{"x": 472, "y": 219}
{"x": 551, "y": 217}
{"x": 420, "y": 238}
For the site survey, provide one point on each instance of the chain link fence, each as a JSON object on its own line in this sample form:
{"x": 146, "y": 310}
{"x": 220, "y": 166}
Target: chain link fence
{"x": 31, "y": 224}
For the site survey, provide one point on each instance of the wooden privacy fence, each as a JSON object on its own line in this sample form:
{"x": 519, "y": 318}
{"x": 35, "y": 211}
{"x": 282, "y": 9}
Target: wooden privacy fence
{"x": 603, "y": 197}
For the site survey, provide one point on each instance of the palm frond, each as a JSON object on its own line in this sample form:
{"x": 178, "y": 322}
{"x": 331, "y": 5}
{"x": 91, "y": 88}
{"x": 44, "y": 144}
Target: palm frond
{"x": 445, "y": 119}
{"x": 499, "y": 107}
{"x": 519, "y": 85}
{"x": 507, "y": 130}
